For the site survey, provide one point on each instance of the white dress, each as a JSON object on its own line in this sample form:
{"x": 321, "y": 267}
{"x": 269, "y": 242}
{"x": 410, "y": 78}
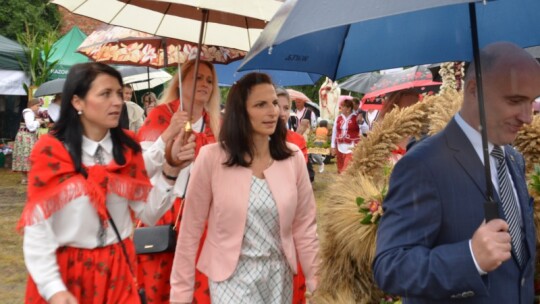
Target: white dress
{"x": 262, "y": 274}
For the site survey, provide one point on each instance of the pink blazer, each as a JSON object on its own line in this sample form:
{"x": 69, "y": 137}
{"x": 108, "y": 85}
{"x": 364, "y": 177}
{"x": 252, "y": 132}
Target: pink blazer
{"x": 220, "y": 195}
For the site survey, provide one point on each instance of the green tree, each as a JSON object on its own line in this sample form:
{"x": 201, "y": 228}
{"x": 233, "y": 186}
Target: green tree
{"x": 14, "y": 14}
{"x": 38, "y": 53}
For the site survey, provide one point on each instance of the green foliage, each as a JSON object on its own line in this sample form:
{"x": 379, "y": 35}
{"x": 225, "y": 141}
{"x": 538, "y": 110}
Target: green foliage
{"x": 15, "y": 14}
{"x": 38, "y": 53}
{"x": 534, "y": 183}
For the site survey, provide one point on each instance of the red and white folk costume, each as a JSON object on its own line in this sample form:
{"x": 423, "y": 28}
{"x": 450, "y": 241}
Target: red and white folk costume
{"x": 345, "y": 135}
{"x": 68, "y": 242}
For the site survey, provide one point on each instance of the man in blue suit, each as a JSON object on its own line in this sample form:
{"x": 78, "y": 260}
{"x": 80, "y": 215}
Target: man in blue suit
{"x": 433, "y": 245}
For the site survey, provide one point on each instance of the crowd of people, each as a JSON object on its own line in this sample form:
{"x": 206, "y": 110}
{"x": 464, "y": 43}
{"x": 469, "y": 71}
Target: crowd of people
{"x": 236, "y": 188}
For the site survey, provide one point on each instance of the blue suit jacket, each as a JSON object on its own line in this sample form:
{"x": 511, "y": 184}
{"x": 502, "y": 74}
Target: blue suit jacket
{"x": 433, "y": 207}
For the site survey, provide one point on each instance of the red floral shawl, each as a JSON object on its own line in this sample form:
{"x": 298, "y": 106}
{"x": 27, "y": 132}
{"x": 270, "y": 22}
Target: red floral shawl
{"x": 159, "y": 119}
{"x": 53, "y": 181}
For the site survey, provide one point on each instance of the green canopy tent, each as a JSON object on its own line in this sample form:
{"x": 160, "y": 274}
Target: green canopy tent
{"x": 65, "y": 51}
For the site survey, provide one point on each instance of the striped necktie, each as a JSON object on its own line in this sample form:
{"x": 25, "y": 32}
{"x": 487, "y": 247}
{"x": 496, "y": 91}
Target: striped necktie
{"x": 98, "y": 156}
{"x": 509, "y": 205}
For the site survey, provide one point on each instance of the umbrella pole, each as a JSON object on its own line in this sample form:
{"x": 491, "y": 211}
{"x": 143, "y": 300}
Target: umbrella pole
{"x": 148, "y": 76}
{"x": 491, "y": 210}
{"x": 180, "y": 82}
{"x": 197, "y": 61}
{"x": 187, "y": 128}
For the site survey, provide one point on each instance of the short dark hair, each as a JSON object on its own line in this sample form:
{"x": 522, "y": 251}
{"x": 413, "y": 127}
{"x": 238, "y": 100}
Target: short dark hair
{"x": 323, "y": 123}
{"x": 356, "y": 100}
{"x": 69, "y": 128}
{"x": 236, "y": 135}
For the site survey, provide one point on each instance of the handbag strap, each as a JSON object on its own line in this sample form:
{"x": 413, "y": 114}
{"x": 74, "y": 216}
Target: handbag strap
{"x": 124, "y": 250}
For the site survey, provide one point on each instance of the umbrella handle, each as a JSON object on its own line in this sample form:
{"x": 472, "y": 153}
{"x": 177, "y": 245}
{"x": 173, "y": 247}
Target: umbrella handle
{"x": 168, "y": 147}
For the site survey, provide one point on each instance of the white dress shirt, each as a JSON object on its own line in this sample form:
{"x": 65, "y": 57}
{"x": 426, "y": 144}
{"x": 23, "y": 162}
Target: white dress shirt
{"x": 77, "y": 224}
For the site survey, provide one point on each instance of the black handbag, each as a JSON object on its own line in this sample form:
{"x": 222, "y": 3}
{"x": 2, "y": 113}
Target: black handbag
{"x": 156, "y": 239}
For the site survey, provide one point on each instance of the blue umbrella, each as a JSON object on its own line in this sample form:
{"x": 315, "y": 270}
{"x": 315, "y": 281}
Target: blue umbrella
{"x": 338, "y": 38}
{"x": 228, "y": 75}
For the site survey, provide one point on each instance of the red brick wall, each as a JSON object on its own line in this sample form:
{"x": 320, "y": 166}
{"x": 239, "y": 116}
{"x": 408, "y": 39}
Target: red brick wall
{"x": 85, "y": 24}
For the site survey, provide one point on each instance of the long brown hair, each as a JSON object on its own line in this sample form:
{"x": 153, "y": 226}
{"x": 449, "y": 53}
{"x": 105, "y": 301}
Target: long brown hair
{"x": 236, "y": 136}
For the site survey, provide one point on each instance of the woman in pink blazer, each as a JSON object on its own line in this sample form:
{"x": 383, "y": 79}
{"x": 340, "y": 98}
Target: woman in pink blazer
{"x": 253, "y": 191}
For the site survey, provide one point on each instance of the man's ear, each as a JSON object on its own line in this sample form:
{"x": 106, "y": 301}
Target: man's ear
{"x": 471, "y": 88}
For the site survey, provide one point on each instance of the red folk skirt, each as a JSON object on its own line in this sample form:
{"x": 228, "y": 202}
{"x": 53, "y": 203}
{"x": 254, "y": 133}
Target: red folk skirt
{"x": 94, "y": 276}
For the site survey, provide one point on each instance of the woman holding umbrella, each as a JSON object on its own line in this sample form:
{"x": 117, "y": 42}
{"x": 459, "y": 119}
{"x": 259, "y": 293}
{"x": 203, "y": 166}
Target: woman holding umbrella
{"x": 163, "y": 124}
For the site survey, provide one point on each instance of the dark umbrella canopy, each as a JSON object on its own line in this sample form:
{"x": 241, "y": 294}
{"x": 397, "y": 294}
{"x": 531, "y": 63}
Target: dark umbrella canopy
{"x": 11, "y": 55}
{"x": 414, "y": 77}
{"x": 361, "y": 83}
{"x": 50, "y": 87}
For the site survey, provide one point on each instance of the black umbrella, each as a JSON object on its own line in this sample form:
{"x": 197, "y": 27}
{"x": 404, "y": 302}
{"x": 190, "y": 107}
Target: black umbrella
{"x": 50, "y": 87}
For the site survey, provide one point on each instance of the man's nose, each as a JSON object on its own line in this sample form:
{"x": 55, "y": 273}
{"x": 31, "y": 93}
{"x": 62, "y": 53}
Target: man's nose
{"x": 526, "y": 113}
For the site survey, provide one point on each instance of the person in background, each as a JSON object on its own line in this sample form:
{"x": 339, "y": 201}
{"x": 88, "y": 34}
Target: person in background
{"x": 149, "y": 102}
{"x": 360, "y": 115}
{"x": 433, "y": 231}
{"x": 88, "y": 181}
{"x": 399, "y": 100}
{"x": 284, "y": 102}
{"x": 162, "y": 125}
{"x": 345, "y": 135}
{"x": 237, "y": 187}
{"x": 53, "y": 110}
{"x": 303, "y": 112}
{"x": 132, "y": 114}
{"x": 321, "y": 138}
{"x": 25, "y": 139}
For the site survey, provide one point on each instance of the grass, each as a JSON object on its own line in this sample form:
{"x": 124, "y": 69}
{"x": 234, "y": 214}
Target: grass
{"x": 12, "y": 197}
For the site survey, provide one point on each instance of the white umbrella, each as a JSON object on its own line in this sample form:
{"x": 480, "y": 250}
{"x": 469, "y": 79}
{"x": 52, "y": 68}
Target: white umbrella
{"x": 231, "y": 23}
{"x": 228, "y": 23}
{"x": 142, "y": 78}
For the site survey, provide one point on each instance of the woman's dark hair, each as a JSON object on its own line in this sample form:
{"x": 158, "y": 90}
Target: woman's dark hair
{"x": 236, "y": 135}
{"x": 347, "y": 103}
{"x": 69, "y": 128}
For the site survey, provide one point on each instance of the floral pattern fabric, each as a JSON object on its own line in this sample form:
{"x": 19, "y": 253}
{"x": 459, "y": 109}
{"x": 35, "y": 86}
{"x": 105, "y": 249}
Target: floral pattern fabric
{"x": 117, "y": 45}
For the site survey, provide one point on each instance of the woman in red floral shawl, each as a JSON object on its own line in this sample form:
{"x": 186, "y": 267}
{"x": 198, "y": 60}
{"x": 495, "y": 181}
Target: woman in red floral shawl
{"x": 162, "y": 124}
{"x": 87, "y": 177}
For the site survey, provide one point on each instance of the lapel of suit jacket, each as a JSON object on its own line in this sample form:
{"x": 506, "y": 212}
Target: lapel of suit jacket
{"x": 465, "y": 155}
